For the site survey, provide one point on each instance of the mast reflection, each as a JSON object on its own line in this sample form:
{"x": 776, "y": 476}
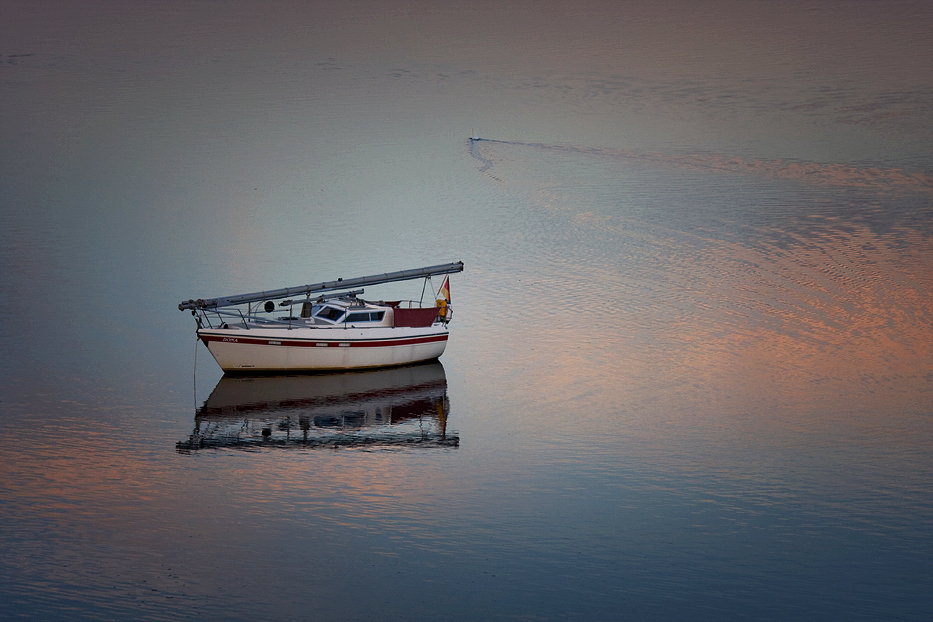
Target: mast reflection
{"x": 396, "y": 407}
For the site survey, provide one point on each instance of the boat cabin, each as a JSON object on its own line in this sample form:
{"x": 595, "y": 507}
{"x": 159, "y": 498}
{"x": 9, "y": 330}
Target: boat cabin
{"x": 346, "y": 312}
{"x": 352, "y": 312}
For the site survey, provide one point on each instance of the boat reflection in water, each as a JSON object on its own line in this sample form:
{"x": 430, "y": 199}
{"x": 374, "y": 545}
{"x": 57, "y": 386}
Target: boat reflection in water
{"x": 394, "y": 407}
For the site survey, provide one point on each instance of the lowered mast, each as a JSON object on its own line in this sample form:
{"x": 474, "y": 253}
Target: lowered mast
{"x": 325, "y": 286}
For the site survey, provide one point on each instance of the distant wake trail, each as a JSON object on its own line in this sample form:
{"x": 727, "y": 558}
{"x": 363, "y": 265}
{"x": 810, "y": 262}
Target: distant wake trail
{"x": 487, "y": 163}
{"x": 877, "y": 178}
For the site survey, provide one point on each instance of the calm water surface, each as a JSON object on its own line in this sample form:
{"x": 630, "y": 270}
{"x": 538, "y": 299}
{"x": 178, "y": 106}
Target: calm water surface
{"x": 691, "y": 366}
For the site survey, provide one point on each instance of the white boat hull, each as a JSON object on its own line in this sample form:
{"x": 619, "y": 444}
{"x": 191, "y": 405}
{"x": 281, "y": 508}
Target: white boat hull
{"x": 322, "y": 348}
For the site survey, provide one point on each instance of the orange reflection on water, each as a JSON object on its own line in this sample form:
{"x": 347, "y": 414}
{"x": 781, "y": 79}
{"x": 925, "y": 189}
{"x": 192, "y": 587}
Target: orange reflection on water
{"x": 815, "y": 173}
{"x": 833, "y": 174}
{"x": 844, "y": 320}
{"x": 841, "y": 320}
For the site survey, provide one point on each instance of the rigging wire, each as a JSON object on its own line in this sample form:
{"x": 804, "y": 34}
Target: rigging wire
{"x": 423, "y": 287}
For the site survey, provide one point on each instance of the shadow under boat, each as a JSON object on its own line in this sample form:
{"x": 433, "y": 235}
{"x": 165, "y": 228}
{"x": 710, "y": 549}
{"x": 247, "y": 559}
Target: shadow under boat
{"x": 395, "y": 407}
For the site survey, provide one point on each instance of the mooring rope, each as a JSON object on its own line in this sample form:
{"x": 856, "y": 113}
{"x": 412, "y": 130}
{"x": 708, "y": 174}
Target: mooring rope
{"x": 195, "y": 373}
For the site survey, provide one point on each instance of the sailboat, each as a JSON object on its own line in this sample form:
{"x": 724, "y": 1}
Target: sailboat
{"x": 325, "y": 326}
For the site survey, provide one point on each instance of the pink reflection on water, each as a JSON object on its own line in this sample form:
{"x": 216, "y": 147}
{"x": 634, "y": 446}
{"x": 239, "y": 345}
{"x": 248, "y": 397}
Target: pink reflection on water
{"x": 838, "y": 321}
{"x": 831, "y": 174}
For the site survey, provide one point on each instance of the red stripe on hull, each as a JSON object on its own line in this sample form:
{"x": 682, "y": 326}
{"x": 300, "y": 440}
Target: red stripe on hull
{"x": 313, "y": 343}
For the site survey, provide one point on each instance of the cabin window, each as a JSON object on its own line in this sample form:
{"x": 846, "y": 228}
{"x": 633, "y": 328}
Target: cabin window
{"x": 330, "y": 313}
{"x": 366, "y": 316}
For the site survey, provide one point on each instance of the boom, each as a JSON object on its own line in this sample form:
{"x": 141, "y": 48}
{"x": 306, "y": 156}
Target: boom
{"x": 325, "y": 286}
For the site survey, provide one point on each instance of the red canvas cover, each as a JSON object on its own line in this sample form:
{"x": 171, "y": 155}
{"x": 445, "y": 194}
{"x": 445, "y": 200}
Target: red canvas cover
{"x": 415, "y": 318}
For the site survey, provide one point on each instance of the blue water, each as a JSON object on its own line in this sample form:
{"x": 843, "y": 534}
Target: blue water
{"x": 689, "y": 373}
